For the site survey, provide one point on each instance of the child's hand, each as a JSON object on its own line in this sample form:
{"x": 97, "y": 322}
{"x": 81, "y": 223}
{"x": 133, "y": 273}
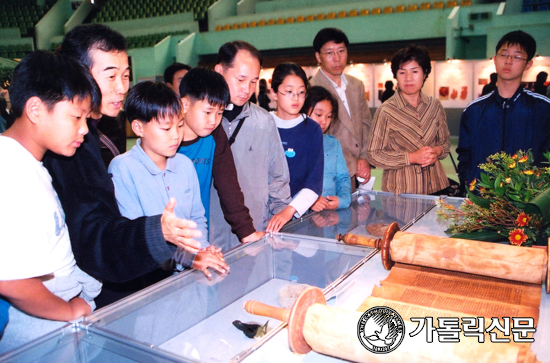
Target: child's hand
{"x": 279, "y": 220}
{"x": 215, "y": 251}
{"x": 79, "y": 307}
{"x": 332, "y": 202}
{"x": 256, "y": 236}
{"x": 320, "y": 204}
{"x": 207, "y": 258}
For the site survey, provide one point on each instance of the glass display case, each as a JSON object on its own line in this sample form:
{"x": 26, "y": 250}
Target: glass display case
{"x": 191, "y": 317}
{"x": 188, "y": 318}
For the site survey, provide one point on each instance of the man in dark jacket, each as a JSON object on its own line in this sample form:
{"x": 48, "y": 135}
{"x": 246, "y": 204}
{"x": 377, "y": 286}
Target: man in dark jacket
{"x": 106, "y": 245}
{"x": 509, "y": 119}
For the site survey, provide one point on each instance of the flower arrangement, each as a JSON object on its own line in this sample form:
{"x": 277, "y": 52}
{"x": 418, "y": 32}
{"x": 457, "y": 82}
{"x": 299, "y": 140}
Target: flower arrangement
{"x": 513, "y": 202}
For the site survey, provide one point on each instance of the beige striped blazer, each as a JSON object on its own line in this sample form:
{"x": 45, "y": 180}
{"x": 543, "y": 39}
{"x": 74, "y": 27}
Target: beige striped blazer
{"x": 399, "y": 129}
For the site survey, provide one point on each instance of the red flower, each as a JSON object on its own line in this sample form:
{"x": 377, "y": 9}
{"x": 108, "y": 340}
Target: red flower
{"x": 523, "y": 219}
{"x": 517, "y": 237}
{"x": 524, "y": 158}
{"x": 473, "y": 185}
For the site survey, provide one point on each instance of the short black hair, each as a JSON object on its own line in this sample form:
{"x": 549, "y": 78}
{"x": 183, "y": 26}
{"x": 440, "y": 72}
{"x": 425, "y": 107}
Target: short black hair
{"x": 521, "y": 38}
{"x": 79, "y": 41}
{"x": 205, "y": 84}
{"x": 317, "y": 94}
{"x": 171, "y": 70}
{"x": 329, "y": 35}
{"x": 493, "y": 77}
{"x": 417, "y": 53}
{"x": 228, "y": 51}
{"x": 52, "y": 78}
{"x": 285, "y": 69}
{"x": 149, "y": 100}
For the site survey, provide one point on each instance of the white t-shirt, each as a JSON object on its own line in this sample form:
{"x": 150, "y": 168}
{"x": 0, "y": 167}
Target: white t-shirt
{"x": 34, "y": 240}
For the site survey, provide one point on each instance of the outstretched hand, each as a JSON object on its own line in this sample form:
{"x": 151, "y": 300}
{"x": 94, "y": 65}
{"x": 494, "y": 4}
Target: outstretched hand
{"x": 179, "y": 232}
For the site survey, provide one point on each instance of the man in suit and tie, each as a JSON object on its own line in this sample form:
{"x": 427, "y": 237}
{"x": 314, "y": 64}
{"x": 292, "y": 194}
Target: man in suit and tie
{"x": 354, "y": 119}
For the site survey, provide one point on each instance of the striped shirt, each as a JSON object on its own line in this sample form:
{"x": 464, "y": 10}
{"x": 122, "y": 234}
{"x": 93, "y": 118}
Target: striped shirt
{"x": 400, "y": 129}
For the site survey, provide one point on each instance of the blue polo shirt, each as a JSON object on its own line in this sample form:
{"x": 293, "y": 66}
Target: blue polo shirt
{"x": 142, "y": 189}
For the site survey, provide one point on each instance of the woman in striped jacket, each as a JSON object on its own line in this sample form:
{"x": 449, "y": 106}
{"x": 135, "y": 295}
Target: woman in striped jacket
{"x": 410, "y": 134}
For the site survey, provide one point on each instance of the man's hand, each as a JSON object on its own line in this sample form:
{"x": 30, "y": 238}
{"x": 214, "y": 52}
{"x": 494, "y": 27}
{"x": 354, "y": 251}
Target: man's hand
{"x": 179, "y": 231}
{"x": 213, "y": 258}
{"x": 363, "y": 170}
{"x": 425, "y": 156}
{"x": 256, "y": 236}
{"x": 280, "y": 219}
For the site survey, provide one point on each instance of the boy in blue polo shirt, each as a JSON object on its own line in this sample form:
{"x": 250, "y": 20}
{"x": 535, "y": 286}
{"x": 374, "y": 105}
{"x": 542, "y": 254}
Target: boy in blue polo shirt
{"x": 152, "y": 173}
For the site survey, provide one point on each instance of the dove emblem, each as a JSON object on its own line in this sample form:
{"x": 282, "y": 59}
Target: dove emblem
{"x": 381, "y": 329}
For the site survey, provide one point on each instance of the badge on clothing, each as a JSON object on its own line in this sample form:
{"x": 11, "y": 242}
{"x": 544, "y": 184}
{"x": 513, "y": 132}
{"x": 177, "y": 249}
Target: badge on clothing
{"x": 290, "y": 153}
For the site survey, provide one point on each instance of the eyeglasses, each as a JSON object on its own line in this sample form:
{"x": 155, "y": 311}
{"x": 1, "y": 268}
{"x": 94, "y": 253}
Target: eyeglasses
{"x": 331, "y": 53}
{"x": 291, "y": 95}
{"x": 515, "y": 58}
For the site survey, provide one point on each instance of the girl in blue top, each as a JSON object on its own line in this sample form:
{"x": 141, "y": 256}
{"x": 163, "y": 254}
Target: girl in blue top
{"x": 302, "y": 139}
{"x": 322, "y": 108}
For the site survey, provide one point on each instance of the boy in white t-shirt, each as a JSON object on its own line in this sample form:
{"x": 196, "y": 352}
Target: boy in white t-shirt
{"x": 51, "y": 98}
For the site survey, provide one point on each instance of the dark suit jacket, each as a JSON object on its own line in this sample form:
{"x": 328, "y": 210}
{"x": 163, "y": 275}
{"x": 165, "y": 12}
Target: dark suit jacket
{"x": 352, "y": 131}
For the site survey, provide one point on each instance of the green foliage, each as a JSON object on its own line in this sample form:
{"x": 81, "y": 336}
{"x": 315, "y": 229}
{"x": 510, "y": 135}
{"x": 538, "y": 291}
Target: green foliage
{"x": 513, "y": 202}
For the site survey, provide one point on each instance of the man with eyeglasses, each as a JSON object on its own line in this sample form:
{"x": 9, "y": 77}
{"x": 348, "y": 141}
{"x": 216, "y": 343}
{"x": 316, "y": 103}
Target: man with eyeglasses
{"x": 354, "y": 118}
{"x": 508, "y": 119}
